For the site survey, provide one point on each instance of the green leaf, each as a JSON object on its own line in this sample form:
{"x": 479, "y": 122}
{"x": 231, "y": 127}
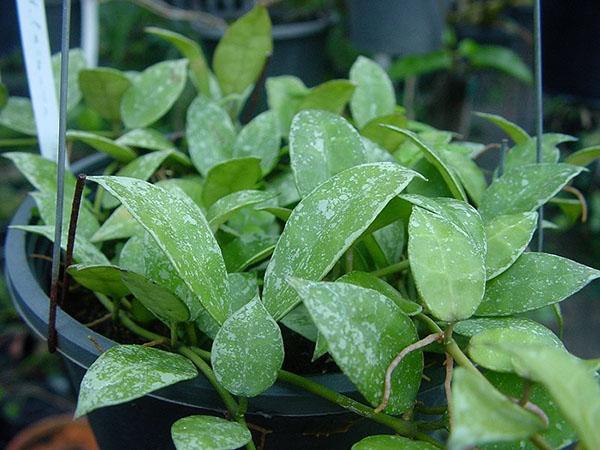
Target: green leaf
{"x": 299, "y": 321}
{"x": 391, "y": 239}
{"x": 230, "y": 176}
{"x": 368, "y": 281}
{"x": 3, "y": 95}
{"x": 160, "y": 301}
{"x": 243, "y": 51}
{"x": 515, "y": 332}
{"x": 83, "y": 251}
{"x": 132, "y": 254}
{"x": 114, "y": 378}
{"x": 384, "y": 137}
{"x": 260, "y": 139}
{"x": 181, "y": 231}
{"x": 99, "y": 278}
{"x": 448, "y": 268}
{"x": 516, "y": 133}
{"x": 388, "y": 442}
{"x": 434, "y": 159}
{"x": 468, "y": 172}
{"x": 507, "y": 238}
{"x": 208, "y": 432}
{"x": 284, "y": 97}
{"x": 153, "y": 92}
{"x": 583, "y": 157}
{"x": 374, "y": 94}
{"x": 535, "y": 280}
{"x": 227, "y": 206}
{"x": 248, "y": 351}
{"x": 332, "y": 96}
{"x": 103, "y": 144}
{"x": 525, "y": 188}
{"x": 365, "y": 331}
{"x": 571, "y": 384}
{"x": 87, "y": 224}
{"x": 141, "y": 168}
{"x": 102, "y": 89}
{"x": 325, "y": 224}
{"x": 146, "y": 138}
{"x": 41, "y": 172}
{"x": 495, "y": 57}
{"x": 525, "y": 153}
{"x": 246, "y": 250}
{"x": 418, "y": 65}
{"x": 210, "y": 134}
{"x": 481, "y": 414}
{"x": 77, "y": 63}
{"x": 199, "y": 71}
{"x": 558, "y": 434}
{"x": 17, "y": 115}
{"x": 284, "y": 185}
{"x": 322, "y": 144}
{"x": 119, "y": 225}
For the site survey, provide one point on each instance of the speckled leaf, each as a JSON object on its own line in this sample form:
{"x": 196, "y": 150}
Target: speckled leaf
{"x": 230, "y": 176}
{"x": 332, "y": 96}
{"x": 388, "y": 442}
{"x": 132, "y": 254}
{"x": 103, "y": 279}
{"x": 507, "y": 238}
{"x": 181, "y": 231}
{"x": 368, "y": 281}
{"x": 248, "y": 351}
{"x": 525, "y": 188}
{"x": 533, "y": 281}
{"x": 243, "y": 50}
{"x": 375, "y": 153}
{"x": 322, "y": 144}
{"x": 374, "y": 95}
{"x": 141, "y": 168}
{"x": 284, "y": 96}
{"x": 153, "y": 93}
{"x": 512, "y": 332}
{"x": 87, "y": 224}
{"x": 83, "y": 251}
{"x": 481, "y": 414}
{"x": 103, "y": 144}
{"x": 573, "y": 387}
{"x": 17, "y": 115}
{"x": 246, "y": 250}
{"x": 225, "y": 207}
{"x": 77, "y": 62}
{"x": 364, "y": 331}
{"x": 584, "y": 157}
{"x": 434, "y": 159}
{"x": 146, "y": 138}
{"x": 189, "y": 187}
{"x": 558, "y": 433}
{"x": 119, "y": 225}
{"x": 114, "y": 378}
{"x": 199, "y": 71}
{"x": 102, "y": 89}
{"x": 384, "y": 137}
{"x": 261, "y": 139}
{"x": 516, "y": 133}
{"x": 210, "y": 134}
{"x": 208, "y": 432}
{"x": 525, "y": 153}
{"x": 448, "y": 268}
{"x": 325, "y": 224}
{"x": 160, "y": 301}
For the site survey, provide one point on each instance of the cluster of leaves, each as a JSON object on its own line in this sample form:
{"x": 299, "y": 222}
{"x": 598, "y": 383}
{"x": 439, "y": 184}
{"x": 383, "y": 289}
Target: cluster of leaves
{"x": 362, "y": 233}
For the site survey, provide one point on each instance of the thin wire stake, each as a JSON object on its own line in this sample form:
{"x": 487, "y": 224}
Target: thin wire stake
{"x": 539, "y": 119}
{"x": 60, "y": 174}
{"x": 503, "y": 150}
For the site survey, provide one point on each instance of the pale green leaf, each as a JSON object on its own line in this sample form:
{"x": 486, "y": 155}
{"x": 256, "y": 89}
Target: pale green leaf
{"x": 208, "y": 432}
{"x": 17, "y": 115}
{"x": 114, "y": 378}
{"x": 507, "y": 238}
{"x": 77, "y": 63}
{"x": 102, "y": 89}
{"x": 322, "y": 144}
{"x": 247, "y": 352}
{"x": 365, "y": 331}
{"x": 260, "y": 139}
{"x": 103, "y": 144}
{"x": 132, "y": 254}
{"x": 87, "y": 224}
{"x": 146, "y": 138}
{"x": 153, "y": 93}
{"x": 230, "y": 176}
{"x": 374, "y": 94}
{"x": 468, "y": 172}
{"x": 284, "y": 96}
{"x": 243, "y": 51}
{"x": 514, "y": 131}
{"x": 526, "y": 152}
{"x": 332, "y": 96}
{"x": 582, "y": 157}
{"x": 284, "y": 185}
{"x": 119, "y": 225}
{"x": 389, "y": 442}
{"x": 535, "y": 280}
{"x": 325, "y": 224}
{"x": 227, "y": 206}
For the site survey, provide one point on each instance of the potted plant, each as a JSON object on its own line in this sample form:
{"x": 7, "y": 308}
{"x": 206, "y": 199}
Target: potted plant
{"x": 302, "y": 296}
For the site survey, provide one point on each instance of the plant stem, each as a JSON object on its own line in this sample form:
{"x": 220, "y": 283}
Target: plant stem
{"x": 173, "y": 328}
{"x": 190, "y": 331}
{"x": 394, "y": 268}
{"x": 428, "y": 321}
{"x": 454, "y": 350}
{"x": 540, "y": 442}
{"x": 375, "y": 251}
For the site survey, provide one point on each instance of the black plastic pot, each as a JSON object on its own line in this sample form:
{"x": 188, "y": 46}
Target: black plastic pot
{"x": 294, "y": 418}
{"x": 397, "y": 27}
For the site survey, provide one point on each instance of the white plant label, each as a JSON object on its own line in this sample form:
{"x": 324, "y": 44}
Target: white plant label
{"x": 36, "y": 52}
